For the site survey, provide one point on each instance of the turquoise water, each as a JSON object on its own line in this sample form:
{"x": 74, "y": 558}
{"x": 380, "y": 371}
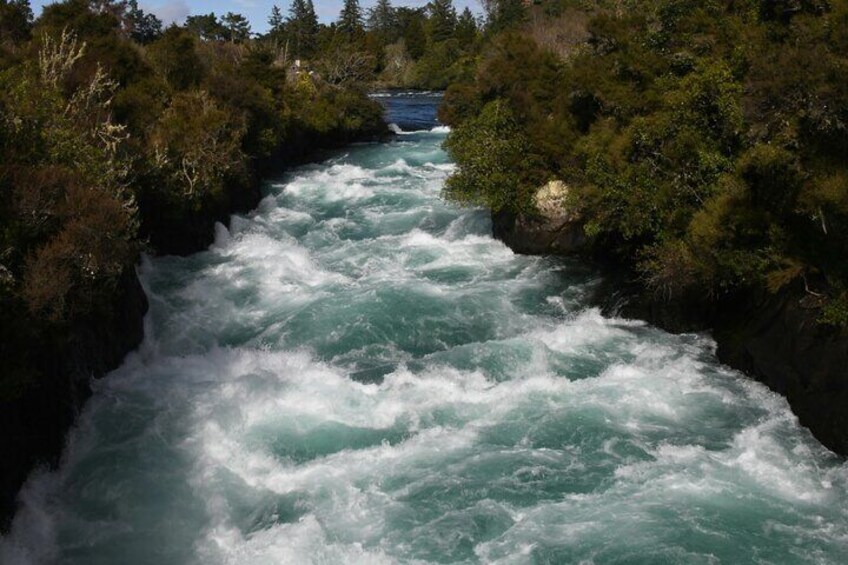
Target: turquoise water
{"x": 358, "y": 373}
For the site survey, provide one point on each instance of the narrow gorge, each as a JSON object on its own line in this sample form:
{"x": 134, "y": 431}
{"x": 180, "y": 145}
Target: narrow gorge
{"x": 357, "y": 372}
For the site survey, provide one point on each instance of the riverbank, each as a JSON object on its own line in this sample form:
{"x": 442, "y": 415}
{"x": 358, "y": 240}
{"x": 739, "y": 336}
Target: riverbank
{"x": 776, "y": 339}
{"x": 35, "y": 423}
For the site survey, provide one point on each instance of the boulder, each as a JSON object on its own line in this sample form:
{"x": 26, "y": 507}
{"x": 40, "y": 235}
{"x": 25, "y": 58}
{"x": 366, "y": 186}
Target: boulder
{"x": 553, "y": 229}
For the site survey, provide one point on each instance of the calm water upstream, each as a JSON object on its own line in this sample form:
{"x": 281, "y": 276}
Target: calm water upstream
{"x": 358, "y": 373}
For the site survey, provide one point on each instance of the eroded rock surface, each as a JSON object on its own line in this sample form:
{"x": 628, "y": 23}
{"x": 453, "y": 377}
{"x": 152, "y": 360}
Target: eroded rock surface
{"x": 555, "y": 229}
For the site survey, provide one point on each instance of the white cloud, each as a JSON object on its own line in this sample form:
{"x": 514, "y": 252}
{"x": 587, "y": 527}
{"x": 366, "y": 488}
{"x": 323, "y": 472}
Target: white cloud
{"x": 170, "y": 12}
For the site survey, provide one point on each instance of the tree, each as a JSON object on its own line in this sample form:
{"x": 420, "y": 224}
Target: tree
{"x": 197, "y": 144}
{"x": 70, "y": 197}
{"x": 275, "y": 20}
{"x": 466, "y": 29}
{"x": 347, "y": 65}
{"x": 350, "y": 19}
{"x": 442, "y": 20}
{"x": 206, "y": 26}
{"x": 381, "y": 21}
{"x": 302, "y": 26}
{"x": 175, "y": 58}
{"x": 504, "y": 14}
{"x": 15, "y": 20}
{"x": 143, "y": 28}
{"x": 410, "y": 23}
{"x": 491, "y": 151}
{"x": 310, "y": 25}
{"x": 277, "y": 26}
{"x": 237, "y": 26}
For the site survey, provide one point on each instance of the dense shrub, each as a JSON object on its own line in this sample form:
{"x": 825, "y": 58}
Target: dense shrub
{"x": 492, "y": 149}
{"x": 109, "y": 144}
{"x": 705, "y": 142}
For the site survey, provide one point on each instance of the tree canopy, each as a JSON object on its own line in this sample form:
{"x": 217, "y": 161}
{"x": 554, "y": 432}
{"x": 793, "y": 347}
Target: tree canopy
{"x": 704, "y": 143}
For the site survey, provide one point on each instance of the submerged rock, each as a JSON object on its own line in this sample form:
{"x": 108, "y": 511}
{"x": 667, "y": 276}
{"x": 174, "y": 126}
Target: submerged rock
{"x": 555, "y": 228}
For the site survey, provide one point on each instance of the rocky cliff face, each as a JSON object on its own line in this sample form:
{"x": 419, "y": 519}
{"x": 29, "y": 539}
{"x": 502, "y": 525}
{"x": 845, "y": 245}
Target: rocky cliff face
{"x": 34, "y": 426}
{"x": 778, "y": 341}
{"x": 775, "y": 339}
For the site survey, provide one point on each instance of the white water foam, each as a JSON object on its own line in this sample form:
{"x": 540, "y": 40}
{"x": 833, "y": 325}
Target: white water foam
{"x": 358, "y": 373}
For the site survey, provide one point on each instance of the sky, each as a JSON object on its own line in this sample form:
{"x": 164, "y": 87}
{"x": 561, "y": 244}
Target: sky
{"x": 257, "y": 11}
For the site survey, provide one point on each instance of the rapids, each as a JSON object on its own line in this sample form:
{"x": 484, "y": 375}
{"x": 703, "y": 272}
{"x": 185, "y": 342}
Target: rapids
{"x": 356, "y": 372}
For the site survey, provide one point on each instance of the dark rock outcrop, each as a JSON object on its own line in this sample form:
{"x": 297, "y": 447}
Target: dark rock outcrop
{"x": 779, "y": 341}
{"x": 536, "y": 235}
{"x": 34, "y": 425}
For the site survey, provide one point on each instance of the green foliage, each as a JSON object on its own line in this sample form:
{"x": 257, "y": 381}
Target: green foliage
{"x": 705, "y": 142}
{"x": 411, "y": 25}
{"x": 237, "y": 27}
{"x": 141, "y": 27}
{"x": 466, "y": 28}
{"x": 196, "y": 146}
{"x": 835, "y": 312}
{"x": 69, "y": 219}
{"x": 112, "y": 135}
{"x": 442, "y": 21}
{"x": 302, "y": 28}
{"x": 206, "y": 27}
{"x": 492, "y": 151}
{"x": 436, "y": 69}
{"x": 15, "y": 21}
{"x": 504, "y": 14}
{"x": 350, "y": 21}
{"x": 382, "y": 22}
{"x": 276, "y": 21}
{"x": 773, "y": 178}
{"x": 428, "y": 48}
{"x": 176, "y": 59}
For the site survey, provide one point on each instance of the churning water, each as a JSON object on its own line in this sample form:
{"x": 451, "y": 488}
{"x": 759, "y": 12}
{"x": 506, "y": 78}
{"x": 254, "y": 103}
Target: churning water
{"x": 358, "y": 373}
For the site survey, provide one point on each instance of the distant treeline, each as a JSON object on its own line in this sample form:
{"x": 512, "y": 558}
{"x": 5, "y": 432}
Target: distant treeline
{"x": 428, "y": 47}
{"x": 704, "y": 142}
{"x": 116, "y": 134}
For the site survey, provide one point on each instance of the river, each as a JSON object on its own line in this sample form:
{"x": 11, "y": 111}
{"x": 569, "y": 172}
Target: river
{"x": 356, "y": 372}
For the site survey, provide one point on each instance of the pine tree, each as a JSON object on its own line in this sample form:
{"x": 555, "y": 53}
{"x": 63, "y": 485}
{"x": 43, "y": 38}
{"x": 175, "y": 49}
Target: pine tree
{"x": 302, "y": 26}
{"x": 350, "y": 19}
{"x": 237, "y": 26}
{"x": 275, "y": 20}
{"x": 410, "y": 23}
{"x": 442, "y": 20}
{"x": 294, "y": 25}
{"x": 310, "y": 28}
{"x": 382, "y": 21}
{"x": 206, "y": 26}
{"x": 466, "y": 29}
{"x": 142, "y": 27}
